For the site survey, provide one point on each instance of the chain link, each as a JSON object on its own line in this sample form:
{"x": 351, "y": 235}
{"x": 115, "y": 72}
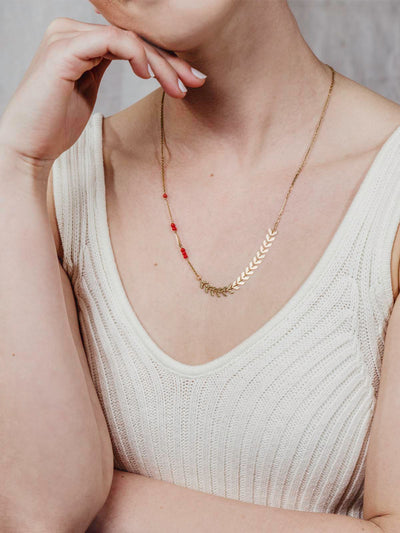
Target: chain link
{"x": 271, "y": 234}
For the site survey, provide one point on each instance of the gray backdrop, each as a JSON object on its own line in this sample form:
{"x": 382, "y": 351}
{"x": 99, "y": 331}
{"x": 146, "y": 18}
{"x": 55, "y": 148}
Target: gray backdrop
{"x": 359, "y": 38}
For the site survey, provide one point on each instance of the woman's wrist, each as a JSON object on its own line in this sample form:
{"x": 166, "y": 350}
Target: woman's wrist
{"x": 30, "y": 164}
{"x": 22, "y": 173}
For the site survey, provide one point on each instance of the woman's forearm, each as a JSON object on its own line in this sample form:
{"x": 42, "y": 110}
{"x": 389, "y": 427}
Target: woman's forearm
{"x": 49, "y": 442}
{"x": 137, "y": 504}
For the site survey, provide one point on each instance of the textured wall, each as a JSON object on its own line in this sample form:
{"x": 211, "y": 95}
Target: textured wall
{"x": 360, "y": 38}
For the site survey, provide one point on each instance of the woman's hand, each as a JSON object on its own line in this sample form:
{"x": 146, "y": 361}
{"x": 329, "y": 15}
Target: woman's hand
{"x": 57, "y": 94}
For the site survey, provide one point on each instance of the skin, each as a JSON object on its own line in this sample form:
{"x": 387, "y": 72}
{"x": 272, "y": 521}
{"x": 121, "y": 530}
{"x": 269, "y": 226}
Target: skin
{"x": 57, "y": 467}
{"x": 248, "y": 110}
{"x": 241, "y": 134}
{"x": 244, "y": 125}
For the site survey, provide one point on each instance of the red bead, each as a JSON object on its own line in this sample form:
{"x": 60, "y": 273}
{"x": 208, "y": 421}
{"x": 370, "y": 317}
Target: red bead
{"x": 165, "y": 195}
{"x": 182, "y": 249}
{"x": 173, "y": 226}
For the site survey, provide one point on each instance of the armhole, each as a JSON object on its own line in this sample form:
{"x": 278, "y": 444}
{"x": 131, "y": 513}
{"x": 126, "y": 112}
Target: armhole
{"x": 53, "y": 218}
{"x": 389, "y": 213}
{"x": 73, "y": 188}
{"x": 382, "y": 228}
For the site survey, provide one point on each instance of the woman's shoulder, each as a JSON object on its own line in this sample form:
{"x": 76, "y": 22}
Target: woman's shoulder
{"x": 129, "y": 137}
{"x": 365, "y": 117}
{"x": 131, "y": 130}
{"x": 359, "y": 117}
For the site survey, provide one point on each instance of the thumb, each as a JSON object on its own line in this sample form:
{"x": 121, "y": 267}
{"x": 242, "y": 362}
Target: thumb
{"x": 100, "y": 69}
{"x": 89, "y": 83}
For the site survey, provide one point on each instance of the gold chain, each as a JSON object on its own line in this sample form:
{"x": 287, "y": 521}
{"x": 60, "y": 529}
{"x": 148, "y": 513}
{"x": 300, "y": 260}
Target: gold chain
{"x": 271, "y": 234}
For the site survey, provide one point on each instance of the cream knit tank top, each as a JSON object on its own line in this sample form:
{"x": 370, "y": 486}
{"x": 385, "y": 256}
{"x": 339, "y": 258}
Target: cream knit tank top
{"x": 283, "y": 418}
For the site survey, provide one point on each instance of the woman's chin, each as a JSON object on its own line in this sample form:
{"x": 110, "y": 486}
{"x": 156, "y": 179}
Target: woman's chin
{"x": 156, "y": 44}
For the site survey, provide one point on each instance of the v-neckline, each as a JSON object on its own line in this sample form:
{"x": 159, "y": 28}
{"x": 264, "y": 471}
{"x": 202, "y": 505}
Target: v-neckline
{"x": 121, "y": 296}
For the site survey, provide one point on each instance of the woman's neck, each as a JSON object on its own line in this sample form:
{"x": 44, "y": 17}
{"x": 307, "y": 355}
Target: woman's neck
{"x": 264, "y": 84}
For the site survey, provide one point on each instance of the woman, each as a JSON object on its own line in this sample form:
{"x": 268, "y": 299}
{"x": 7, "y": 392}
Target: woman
{"x": 122, "y": 247}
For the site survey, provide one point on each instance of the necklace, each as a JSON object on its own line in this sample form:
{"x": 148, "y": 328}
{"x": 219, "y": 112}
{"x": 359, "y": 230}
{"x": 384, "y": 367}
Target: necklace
{"x": 271, "y": 234}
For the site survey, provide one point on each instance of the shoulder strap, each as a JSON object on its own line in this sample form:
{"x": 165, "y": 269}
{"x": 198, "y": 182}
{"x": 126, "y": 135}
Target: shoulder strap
{"x": 375, "y": 251}
{"x": 74, "y": 192}
{"x": 384, "y": 218}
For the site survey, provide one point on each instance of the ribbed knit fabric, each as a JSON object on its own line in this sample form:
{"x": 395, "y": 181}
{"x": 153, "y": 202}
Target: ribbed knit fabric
{"x": 282, "y": 419}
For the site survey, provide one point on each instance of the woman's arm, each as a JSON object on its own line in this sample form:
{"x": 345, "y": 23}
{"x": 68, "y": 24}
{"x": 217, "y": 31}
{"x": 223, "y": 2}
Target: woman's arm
{"x": 56, "y": 462}
{"x": 137, "y": 503}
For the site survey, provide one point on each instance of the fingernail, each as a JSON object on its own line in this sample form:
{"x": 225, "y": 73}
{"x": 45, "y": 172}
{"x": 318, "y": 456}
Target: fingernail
{"x": 181, "y": 86}
{"x": 150, "y": 70}
{"x": 198, "y": 74}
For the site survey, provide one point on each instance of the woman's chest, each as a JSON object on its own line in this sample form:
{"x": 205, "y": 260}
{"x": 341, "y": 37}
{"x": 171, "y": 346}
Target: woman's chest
{"x": 282, "y": 423}
{"x": 281, "y": 417}
{"x": 221, "y": 233}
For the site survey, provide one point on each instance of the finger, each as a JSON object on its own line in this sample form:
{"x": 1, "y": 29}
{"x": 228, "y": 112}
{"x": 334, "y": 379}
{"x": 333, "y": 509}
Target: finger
{"x": 115, "y": 43}
{"x": 165, "y": 73}
{"x": 99, "y": 70}
{"x": 57, "y": 36}
{"x": 183, "y": 69}
{"x": 92, "y": 78}
{"x": 77, "y": 54}
{"x": 65, "y": 24}
{"x": 89, "y": 83}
